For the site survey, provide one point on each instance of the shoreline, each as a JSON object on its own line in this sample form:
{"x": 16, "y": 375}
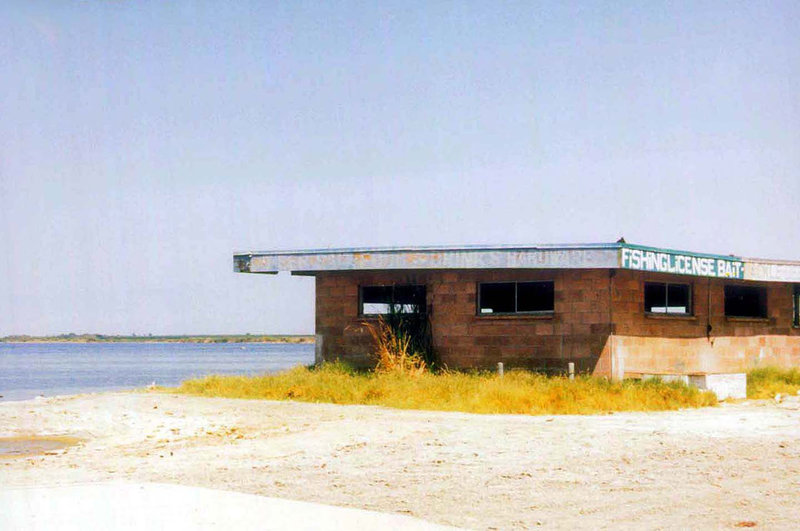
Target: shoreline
{"x": 739, "y": 462}
{"x": 301, "y": 340}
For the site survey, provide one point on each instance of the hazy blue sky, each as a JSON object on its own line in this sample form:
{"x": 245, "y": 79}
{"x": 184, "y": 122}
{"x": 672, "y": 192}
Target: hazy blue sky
{"x": 141, "y": 143}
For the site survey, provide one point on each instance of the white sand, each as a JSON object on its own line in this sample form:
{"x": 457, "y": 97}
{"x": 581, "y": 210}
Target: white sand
{"x": 713, "y": 467}
{"x": 157, "y": 506}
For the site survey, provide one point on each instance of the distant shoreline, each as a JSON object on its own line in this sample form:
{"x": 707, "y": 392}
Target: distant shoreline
{"x": 100, "y": 338}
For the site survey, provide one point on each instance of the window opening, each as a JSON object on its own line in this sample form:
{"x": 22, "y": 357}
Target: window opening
{"x": 516, "y": 297}
{"x": 668, "y": 298}
{"x": 383, "y": 300}
{"x": 745, "y": 301}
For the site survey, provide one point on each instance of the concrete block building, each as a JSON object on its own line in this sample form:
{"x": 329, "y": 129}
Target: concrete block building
{"x": 616, "y": 310}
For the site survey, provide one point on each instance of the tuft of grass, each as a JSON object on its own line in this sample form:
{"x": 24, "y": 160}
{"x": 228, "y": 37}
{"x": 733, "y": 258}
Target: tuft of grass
{"x": 769, "y": 381}
{"x": 393, "y": 349}
{"x": 519, "y": 392}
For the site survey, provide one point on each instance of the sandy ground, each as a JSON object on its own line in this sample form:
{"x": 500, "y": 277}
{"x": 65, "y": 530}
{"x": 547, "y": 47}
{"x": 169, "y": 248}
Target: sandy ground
{"x": 708, "y": 468}
{"x": 153, "y": 506}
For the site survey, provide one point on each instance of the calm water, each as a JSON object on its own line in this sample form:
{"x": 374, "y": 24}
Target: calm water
{"x": 28, "y": 370}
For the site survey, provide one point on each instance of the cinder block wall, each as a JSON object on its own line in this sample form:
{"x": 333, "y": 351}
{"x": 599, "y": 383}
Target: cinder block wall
{"x": 645, "y": 343}
{"x": 586, "y": 302}
{"x": 577, "y": 332}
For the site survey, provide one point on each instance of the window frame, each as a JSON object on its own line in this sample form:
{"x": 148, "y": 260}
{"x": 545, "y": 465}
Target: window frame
{"x": 796, "y": 305}
{"x": 423, "y": 306}
{"x": 765, "y": 303}
{"x": 666, "y": 285}
{"x": 516, "y": 283}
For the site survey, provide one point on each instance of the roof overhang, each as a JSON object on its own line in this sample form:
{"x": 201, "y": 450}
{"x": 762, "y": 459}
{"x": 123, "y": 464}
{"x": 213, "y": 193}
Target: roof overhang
{"x": 569, "y": 256}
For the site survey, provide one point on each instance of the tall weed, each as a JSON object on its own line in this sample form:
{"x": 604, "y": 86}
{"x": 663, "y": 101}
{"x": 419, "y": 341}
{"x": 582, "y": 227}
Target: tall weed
{"x": 393, "y": 349}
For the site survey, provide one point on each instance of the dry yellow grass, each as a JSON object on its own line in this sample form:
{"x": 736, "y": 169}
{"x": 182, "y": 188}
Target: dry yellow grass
{"x": 770, "y": 381}
{"x": 393, "y": 350}
{"x": 518, "y": 392}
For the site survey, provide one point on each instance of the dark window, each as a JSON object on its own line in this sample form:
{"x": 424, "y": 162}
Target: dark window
{"x": 796, "y": 300}
{"x": 662, "y": 297}
{"x": 515, "y": 297}
{"x": 745, "y": 301}
{"x": 535, "y": 297}
{"x": 498, "y": 298}
{"x": 383, "y": 300}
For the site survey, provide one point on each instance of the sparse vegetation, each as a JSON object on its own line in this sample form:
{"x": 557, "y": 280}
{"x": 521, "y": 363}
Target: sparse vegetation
{"x": 394, "y": 348}
{"x": 770, "y": 381}
{"x": 519, "y": 392}
{"x": 402, "y": 379}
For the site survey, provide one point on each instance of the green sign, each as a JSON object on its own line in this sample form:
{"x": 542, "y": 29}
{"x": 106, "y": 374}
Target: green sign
{"x": 663, "y": 261}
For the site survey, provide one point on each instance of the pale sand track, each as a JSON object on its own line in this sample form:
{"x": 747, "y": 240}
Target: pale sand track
{"x": 156, "y": 506}
{"x": 708, "y": 468}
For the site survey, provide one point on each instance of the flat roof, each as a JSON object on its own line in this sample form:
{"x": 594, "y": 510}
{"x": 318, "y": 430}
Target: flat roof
{"x": 619, "y": 255}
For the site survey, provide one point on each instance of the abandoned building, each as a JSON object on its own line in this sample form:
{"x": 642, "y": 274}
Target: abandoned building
{"x": 617, "y": 309}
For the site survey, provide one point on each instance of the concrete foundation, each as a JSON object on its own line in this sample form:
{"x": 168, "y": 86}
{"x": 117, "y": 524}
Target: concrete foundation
{"x": 731, "y": 385}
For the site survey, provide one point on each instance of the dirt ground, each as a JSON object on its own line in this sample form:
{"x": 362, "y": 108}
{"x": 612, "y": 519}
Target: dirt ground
{"x": 731, "y": 466}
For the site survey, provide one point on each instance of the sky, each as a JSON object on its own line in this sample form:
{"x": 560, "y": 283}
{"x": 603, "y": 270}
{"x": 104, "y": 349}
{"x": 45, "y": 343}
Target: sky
{"x": 143, "y": 142}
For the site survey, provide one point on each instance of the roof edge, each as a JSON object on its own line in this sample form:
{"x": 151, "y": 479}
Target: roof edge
{"x": 433, "y": 248}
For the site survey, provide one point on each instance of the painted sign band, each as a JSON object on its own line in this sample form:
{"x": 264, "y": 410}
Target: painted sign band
{"x": 680, "y": 263}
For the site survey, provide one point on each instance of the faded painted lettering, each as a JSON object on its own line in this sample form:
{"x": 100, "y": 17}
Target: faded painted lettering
{"x": 680, "y": 263}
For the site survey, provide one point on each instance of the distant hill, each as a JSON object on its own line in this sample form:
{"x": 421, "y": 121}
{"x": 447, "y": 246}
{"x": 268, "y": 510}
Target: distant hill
{"x": 102, "y": 338}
